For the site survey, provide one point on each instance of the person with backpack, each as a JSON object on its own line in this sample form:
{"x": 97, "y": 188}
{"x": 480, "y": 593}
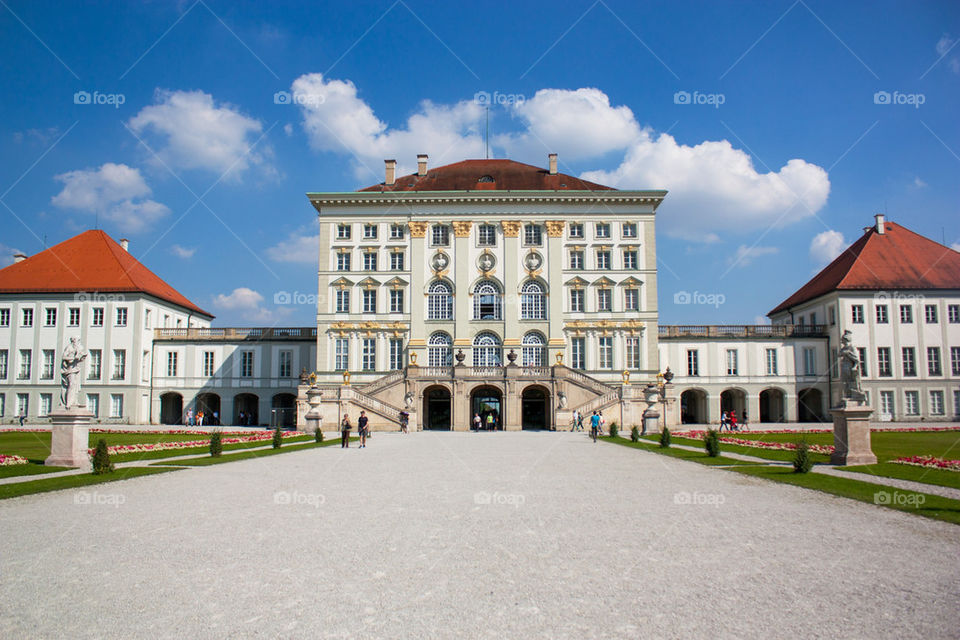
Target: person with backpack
{"x": 345, "y": 428}
{"x": 362, "y": 427}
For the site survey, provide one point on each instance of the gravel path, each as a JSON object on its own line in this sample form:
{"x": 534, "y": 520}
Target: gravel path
{"x": 487, "y": 535}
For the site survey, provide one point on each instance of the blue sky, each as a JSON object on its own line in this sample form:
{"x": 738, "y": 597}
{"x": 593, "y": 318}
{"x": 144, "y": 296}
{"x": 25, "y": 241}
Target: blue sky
{"x": 779, "y": 128}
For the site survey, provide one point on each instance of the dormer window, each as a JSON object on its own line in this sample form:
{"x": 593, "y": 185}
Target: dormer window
{"x": 486, "y": 179}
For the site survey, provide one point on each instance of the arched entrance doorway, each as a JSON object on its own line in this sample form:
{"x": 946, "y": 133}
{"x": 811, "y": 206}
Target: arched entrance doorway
{"x": 209, "y": 403}
{"x": 436, "y": 408}
{"x": 734, "y": 400}
{"x": 248, "y": 404}
{"x": 809, "y": 405}
{"x": 772, "y": 405}
{"x": 487, "y": 401}
{"x": 535, "y": 408}
{"x": 283, "y": 410}
{"x": 171, "y": 408}
{"x": 693, "y": 407}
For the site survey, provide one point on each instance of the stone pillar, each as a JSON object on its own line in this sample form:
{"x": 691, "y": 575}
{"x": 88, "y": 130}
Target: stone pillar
{"x": 313, "y": 418}
{"x": 556, "y": 343}
{"x": 512, "y": 420}
{"x": 461, "y": 301}
{"x": 418, "y": 273}
{"x": 851, "y": 434}
{"x": 70, "y": 438}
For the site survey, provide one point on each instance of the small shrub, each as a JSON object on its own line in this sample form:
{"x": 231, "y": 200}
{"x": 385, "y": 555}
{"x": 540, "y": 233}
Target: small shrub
{"x": 665, "y": 438}
{"x": 318, "y": 435}
{"x": 216, "y": 443}
{"x": 614, "y": 429}
{"x": 635, "y": 434}
{"x": 277, "y": 438}
{"x": 712, "y": 443}
{"x": 101, "y": 459}
{"x": 802, "y": 462}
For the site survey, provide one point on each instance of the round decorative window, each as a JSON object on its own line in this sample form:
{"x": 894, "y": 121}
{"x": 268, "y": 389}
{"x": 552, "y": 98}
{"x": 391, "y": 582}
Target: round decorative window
{"x": 533, "y": 261}
{"x": 440, "y": 261}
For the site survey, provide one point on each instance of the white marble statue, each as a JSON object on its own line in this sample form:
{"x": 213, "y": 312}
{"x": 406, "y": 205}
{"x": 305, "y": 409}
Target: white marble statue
{"x": 850, "y": 370}
{"x": 73, "y": 356}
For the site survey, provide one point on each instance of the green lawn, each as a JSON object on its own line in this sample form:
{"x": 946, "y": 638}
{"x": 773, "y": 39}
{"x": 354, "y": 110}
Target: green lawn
{"x": 887, "y": 445}
{"x": 247, "y": 455}
{"x": 778, "y": 455}
{"x": 75, "y": 481}
{"x": 940, "y": 477}
{"x": 683, "y": 454}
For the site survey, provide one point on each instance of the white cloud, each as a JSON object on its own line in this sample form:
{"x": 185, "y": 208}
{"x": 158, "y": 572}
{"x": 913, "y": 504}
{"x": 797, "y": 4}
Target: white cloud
{"x": 183, "y": 252}
{"x": 759, "y": 320}
{"x": 247, "y": 303}
{"x": 288, "y": 129}
{"x": 196, "y": 133}
{"x": 944, "y": 45}
{"x": 6, "y": 255}
{"x": 918, "y": 183}
{"x": 745, "y": 255}
{"x": 114, "y": 191}
{"x": 955, "y": 246}
{"x": 336, "y": 119}
{"x": 300, "y": 247}
{"x": 826, "y": 246}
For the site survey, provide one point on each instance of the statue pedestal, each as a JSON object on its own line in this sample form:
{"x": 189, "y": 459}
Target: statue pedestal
{"x": 70, "y": 438}
{"x": 851, "y": 435}
{"x": 651, "y": 421}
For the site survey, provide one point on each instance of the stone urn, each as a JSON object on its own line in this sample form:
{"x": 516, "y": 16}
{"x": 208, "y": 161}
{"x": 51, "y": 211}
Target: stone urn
{"x": 512, "y": 356}
{"x": 667, "y": 375}
{"x": 461, "y": 356}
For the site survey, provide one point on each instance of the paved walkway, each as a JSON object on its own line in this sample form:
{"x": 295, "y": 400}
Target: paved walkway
{"x": 486, "y": 535}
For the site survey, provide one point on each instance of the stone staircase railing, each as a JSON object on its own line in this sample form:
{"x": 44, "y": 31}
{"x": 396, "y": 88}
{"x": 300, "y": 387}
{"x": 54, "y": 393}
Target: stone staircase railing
{"x": 367, "y": 402}
{"x": 586, "y": 381}
{"x": 383, "y": 382}
{"x": 600, "y": 402}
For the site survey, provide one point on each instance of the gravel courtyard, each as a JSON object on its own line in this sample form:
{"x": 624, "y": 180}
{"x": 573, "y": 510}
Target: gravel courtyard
{"x": 470, "y": 535}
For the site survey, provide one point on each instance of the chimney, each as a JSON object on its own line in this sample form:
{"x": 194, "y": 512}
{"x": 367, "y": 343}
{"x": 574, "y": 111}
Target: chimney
{"x": 391, "y": 177}
{"x": 553, "y": 164}
{"x": 19, "y": 257}
{"x": 421, "y": 164}
{"x": 880, "y": 220}
{"x": 124, "y": 244}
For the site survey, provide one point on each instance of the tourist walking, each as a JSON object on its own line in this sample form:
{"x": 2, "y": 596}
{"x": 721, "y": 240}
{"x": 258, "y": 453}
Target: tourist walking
{"x": 476, "y": 422}
{"x": 216, "y": 418}
{"x": 404, "y": 420}
{"x": 345, "y": 428}
{"x": 723, "y": 420}
{"x": 190, "y": 417}
{"x": 23, "y": 417}
{"x": 594, "y": 425}
{"x": 362, "y": 428}
{"x": 579, "y": 421}
{"x": 243, "y": 419}
{"x": 603, "y": 421}
{"x": 743, "y": 424}
{"x": 200, "y": 418}
{"x": 733, "y": 421}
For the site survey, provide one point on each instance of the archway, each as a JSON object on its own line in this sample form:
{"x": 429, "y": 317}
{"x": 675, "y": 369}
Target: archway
{"x": 436, "y": 408}
{"x": 171, "y": 408}
{"x": 693, "y": 407}
{"x": 248, "y": 404}
{"x": 809, "y": 405}
{"x": 535, "y": 408}
{"x": 488, "y": 402}
{"x": 283, "y": 410}
{"x": 772, "y": 405}
{"x": 209, "y": 403}
{"x": 733, "y": 400}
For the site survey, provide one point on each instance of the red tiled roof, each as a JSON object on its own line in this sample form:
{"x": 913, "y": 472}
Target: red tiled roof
{"x": 506, "y": 174}
{"x": 896, "y": 259}
{"x": 90, "y": 262}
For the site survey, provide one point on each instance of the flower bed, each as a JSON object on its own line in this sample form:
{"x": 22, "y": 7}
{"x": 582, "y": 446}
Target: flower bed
{"x": 171, "y": 432}
{"x": 190, "y": 444}
{"x": 931, "y": 462}
{"x": 6, "y": 461}
{"x": 757, "y": 444}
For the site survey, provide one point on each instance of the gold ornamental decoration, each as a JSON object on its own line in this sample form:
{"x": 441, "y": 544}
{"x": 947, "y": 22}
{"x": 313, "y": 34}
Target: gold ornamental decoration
{"x": 555, "y": 228}
{"x": 461, "y": 228}
{"x": 418, "y": 229}
{"x": 511, "y": 228}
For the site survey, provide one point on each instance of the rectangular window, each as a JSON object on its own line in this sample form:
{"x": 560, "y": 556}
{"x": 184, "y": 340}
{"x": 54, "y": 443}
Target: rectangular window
{"x": 27, "y": 317}
{"x": 396, "y": 261}
{"x": 604, "y": 300}
{"x": 883, "y": 362}
{"x": 369, "y": 301}
{"x": 832, "y": 314}
{"x": 46, "y": 404}
{"x": 246, "y": 364}
{"x": 603, "y": 260}
{"x": 862, "y": 354}
{"x": 369, "y": 260}
{"x": 834, "y": 362}
{"x": 145, "y": 367}
{"x": 285, "y": 366}
{"x": 26, "y": 364}
{"x": 440, "y": 235}
{"x": 96, "y": 318}
{"x": 343, "y": 232}
{"x": 936, "y": 403}
{"x": 343, "y": 261}
{"x": 632, "y": 353}
{"x": 4, "y": 363}
{"x": 48, "y": 362}
{"x": 369, "y": 232}
{"x": 629, "y": 229}
{"x": 602, "y": 230}
{"x": 23, "y": 404}
{"x": 121, "y": 316}
{"x": 343, "y": 301}
{"x": 396, "y": 232}
{"x": 732, "y": 364}
{"x": 578, "y": 356}
{"x": 813, "y": 318}
{"x": 396, "y": 301}
{"x": 3, "y": 405}
{"x": 342, "y": 354}
{"x": 809, "y": 361}
{"x": 906, "y": 314}
{"x": 934, "y": 368}
{"x": 693, "y": 362}
{"x": 909, "y": 361}
{"x": 576, "y": 230}
{"x": 533, "y": 235}
{"x": 116, "y": 405}
{"x": 96, "y": 364}
{"x": 882, "y": 314}
{"x": 911, "y": 403}
{"x": 577, "y": 300}
{"x": 487, "y": 235}
{"x": 51, "y": 317}
{"x": 74, "y": 320}
{"x": 4, "y": 317}
{"x": 93, "y": 404}
{"x": 953, "y": 314}
{"x": 772, "y": 362}
{"x": 631, "y": 299}
{"x": 576, "y": 260}
{"x": 606, "y": 352}
{"x": 630, "y": 260}
{"x": 172, "y": 364}
{"x": 954, "y": 361}
{"x": 956, "y": 402}
{"x": 369, "y": 354}
{"x": 147, "y": 319}
{"x": 396, "y": 354}
{"x": 930, "y": 313}
{"x": 208, "y": 364}
{"x": 856, "y": 314}
{"x": 119, "y": 364}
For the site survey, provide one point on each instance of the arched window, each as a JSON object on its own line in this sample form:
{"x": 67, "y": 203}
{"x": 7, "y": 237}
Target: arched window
{"x": 439, "y": 301}
{"x": 534, "y": 350}
{"x": 486, "y": 350}
{"x": 532, "y": 302}
{"x": 487, "y": 301}
{"x": 440, "y": 350}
